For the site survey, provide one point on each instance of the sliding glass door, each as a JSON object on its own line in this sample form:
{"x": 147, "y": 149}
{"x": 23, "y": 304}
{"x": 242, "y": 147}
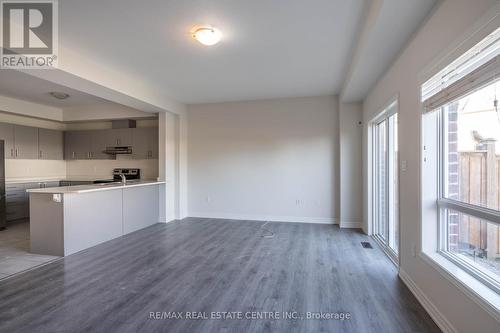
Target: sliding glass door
{"x": 385, "y": 196}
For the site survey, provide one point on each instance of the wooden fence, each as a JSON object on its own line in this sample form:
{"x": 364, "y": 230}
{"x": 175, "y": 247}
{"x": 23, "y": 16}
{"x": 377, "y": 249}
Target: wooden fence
{"x": 478, "y": 180}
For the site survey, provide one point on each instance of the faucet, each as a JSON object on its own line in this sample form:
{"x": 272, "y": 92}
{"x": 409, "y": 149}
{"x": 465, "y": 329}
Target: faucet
{"x": 124, "y": 179}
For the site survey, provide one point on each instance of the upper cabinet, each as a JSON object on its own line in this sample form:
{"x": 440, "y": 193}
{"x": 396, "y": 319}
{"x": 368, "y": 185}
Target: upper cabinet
{"x": 91, "y": 144}
{"x": 7, "y": 134}
{"x": 145, "y": 143}
{"x": 23, "y": 142}
{"x": 50, "y": 144}
{"x": 121, "y": 137}
{"x": 77, "y": 145}
{"x": 99, "y": 141}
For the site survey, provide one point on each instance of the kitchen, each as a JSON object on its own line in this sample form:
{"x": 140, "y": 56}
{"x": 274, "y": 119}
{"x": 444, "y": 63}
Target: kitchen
{"x": 118, "y": 145}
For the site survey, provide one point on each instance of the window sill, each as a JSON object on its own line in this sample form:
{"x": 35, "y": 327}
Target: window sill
{"x": 486, "y": 298}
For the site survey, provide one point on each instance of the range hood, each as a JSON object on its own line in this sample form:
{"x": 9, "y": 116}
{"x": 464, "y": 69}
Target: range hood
{"x": 121, "y": 150}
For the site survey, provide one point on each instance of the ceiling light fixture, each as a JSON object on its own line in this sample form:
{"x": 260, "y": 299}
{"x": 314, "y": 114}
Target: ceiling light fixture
{"x": 58, "y": 95}
{"x": 207, "y": 35}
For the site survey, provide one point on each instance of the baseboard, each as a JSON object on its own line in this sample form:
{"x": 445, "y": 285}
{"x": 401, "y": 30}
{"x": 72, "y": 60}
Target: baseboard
{"x": 431, "y": 309}
{"x": 351, "y": 224}
{"x": 318, "y": 220}
{"x": 166, "y": 219}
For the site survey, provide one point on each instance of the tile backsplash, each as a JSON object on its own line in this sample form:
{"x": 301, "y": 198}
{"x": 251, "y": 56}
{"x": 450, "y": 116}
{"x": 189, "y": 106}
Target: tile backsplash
{"x": 104, "y": 168}
{"x": 86, "y": 169}
{"x": 20, "y": 169}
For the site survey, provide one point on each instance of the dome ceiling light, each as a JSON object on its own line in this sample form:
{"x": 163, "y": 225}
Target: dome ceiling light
{"x": 207, "y": 35}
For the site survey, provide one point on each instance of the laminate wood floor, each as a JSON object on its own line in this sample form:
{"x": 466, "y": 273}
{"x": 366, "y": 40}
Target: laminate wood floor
{"x": 211, "y": 265}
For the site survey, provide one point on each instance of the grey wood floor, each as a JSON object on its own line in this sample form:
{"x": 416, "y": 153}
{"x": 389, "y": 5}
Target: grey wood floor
{"x": 209, "y": 265}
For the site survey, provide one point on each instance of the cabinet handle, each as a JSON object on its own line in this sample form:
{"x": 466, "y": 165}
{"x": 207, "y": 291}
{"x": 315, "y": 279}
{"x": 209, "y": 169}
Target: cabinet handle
{"x": 40, "y": 154}
{"x": 16, "y": 152}
{"x": 117, "y": 142}
{"x": 12, "y": 152}
{"x": 73, "y": 154}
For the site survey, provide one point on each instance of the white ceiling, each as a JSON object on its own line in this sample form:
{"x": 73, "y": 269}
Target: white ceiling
{"x": 388, "y": 27}
{"x": 270, "y": 49}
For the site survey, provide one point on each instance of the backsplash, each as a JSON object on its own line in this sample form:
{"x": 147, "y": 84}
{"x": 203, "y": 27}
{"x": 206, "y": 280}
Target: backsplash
{"x": 104, "y": 168}
{"x": 16, "y": 169}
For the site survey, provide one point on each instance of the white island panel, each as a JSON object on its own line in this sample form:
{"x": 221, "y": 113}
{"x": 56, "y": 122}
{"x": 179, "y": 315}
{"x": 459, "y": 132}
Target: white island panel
{"x": 91, "y": 219}
{"x": 140, "y": 208}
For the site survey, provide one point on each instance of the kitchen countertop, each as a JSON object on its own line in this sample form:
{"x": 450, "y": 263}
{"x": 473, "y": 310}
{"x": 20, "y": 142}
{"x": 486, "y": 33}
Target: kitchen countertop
{"x": 94, "y": 187}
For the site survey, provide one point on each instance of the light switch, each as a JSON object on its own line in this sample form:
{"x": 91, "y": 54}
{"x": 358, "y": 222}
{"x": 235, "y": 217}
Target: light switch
{"x": 404, "y": 165}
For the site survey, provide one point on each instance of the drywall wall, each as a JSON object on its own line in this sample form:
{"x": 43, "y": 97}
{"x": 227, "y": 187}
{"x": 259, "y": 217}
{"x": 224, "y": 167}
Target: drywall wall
{"x": 170, "y": 166}
{"x": 30, "y": 109}
{"x": 351, "y": 176}
{"x": 451, "y": 23}
{"x": 264, "y": 160}
{"x": 103, "y": 111}
{"x": 30, "y": 121}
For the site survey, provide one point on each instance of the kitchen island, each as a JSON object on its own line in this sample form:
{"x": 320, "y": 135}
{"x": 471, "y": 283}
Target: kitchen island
{"x": 65, "y": 220}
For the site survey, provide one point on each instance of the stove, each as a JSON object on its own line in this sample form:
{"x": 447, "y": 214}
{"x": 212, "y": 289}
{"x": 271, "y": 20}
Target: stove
{"x": 130, "y": 175}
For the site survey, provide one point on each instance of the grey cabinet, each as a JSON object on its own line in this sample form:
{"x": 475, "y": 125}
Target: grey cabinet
{"x": 121, "y": 137}
{"x": 17, "y": 199}
{"x": 50, "y": 144}
{"x": 84, "y": 145}
{"x": 91, "y": 144}
{"x": 7, "y": 134}
{"x": 16, "y": 202}
{"x": 25, "y": 142}
{"x": 145, "y": 143}
{"x": 99, "y": 140}
{"x": 77, "y": 145}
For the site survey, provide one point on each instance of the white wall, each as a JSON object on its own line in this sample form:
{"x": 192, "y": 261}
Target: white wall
{"x": 30, "y": 109}
{"x": 102, "y": 111}
{"x": 351, "y": 175}
{"x": 264, "y": 160}
{"x": 172, "y": 166}
{"x": 451, "y": 22}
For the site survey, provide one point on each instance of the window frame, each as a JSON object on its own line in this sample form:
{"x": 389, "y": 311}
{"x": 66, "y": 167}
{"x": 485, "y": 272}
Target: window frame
{"x": 443, "y": 204}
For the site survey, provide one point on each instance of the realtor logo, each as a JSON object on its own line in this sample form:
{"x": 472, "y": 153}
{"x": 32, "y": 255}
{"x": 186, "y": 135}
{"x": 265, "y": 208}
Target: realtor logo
{"x": 29, "y": 34}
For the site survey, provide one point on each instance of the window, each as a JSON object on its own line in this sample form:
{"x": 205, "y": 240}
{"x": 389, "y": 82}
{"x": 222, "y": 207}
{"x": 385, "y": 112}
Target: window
{"x": 462, "y": 105}
{"x": 470, "y": 177}
{"x": 385, "y": 197}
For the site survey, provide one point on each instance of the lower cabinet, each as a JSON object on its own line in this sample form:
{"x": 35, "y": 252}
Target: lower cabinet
{"x": 17, "y": 199}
